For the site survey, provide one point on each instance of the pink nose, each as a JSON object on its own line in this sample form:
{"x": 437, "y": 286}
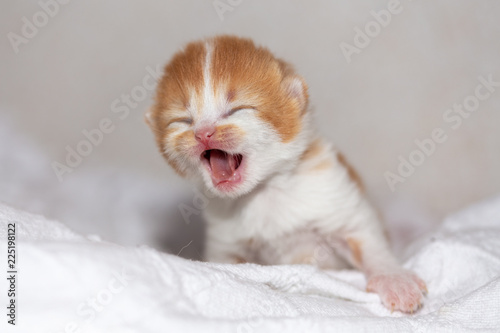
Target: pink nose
{"x": 203, "y": 134}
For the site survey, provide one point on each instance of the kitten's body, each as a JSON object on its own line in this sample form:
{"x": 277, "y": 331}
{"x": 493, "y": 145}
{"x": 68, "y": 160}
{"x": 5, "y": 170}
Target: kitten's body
{"x": 294, "y": 217}
{"x": 234, "y": 119}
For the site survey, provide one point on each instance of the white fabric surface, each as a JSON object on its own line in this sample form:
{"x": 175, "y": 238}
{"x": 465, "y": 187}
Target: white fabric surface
{"x": 60, "y": 271}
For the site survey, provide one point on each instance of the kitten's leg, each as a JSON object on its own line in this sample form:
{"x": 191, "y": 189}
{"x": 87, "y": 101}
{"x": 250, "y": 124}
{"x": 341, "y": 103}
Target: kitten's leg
{"x": 398, "y": 288}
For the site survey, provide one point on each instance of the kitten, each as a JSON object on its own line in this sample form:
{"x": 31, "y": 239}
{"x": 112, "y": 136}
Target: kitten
{"x": 234, "y": 119}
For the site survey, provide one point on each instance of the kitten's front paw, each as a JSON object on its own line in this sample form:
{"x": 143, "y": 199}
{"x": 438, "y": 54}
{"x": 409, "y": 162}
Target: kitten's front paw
{"x": 401, "y": 290}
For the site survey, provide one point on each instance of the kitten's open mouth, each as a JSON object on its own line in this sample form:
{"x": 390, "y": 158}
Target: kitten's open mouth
{"x": 222, "y": 166}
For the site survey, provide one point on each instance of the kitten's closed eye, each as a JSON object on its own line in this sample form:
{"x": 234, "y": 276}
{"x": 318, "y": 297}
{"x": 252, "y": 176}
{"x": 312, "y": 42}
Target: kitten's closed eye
{"x": 189, "y": 120}
{"x": 238, "y": 108}
{"x": 185, "y": 120}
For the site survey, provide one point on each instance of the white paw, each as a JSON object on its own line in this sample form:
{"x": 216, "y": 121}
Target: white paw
{"x": 400, "y": 290}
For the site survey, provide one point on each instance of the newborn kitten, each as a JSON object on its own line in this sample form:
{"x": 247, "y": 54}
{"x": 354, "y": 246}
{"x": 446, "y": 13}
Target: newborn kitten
{"x": 234, "y": 119}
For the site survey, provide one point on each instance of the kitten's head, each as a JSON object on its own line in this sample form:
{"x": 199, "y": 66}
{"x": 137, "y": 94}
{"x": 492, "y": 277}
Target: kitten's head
{"x": 230, "y": 114}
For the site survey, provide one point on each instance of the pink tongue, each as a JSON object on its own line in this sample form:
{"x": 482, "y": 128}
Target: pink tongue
{"x": 222, "y": 165}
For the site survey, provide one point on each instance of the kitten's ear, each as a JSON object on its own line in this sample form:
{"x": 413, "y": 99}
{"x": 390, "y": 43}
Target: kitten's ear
{"x": 296, "y": 88}
{"x": 148, "y": 117}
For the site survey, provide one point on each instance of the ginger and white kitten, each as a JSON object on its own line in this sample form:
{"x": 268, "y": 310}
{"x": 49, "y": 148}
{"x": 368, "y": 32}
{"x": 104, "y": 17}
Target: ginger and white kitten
{"x": 234, "y": 119}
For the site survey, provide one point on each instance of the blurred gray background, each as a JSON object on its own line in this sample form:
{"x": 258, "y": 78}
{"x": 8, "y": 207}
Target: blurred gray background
{"x": 87, "y": 54}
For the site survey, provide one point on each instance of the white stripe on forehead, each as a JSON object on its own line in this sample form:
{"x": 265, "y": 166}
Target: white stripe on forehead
{"x": 207, "y": 83}
{"x": 206, "y": 107}
{"x": 209, "y": 107}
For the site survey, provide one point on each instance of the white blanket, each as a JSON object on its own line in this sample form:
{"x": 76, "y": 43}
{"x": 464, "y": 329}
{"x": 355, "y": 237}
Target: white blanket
{"x": 70, "y": 283}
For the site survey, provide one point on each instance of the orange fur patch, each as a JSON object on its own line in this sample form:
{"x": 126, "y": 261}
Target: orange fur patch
{"x": 353, "y": 175}
{"x": 313, "y": 150}
{"x": 184, "y": 141}
{"x": 355, "y": 247}
{"x": 183, "y": 74}
{"x": 323, "y": 165}
{"x": 313, "y": 161}
{"x": 228, "y": 134}
{"x": 253, "y": 75}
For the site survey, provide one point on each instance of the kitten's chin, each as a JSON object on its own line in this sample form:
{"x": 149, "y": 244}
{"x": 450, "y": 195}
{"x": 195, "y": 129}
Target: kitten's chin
{"x": 226, "y": 172}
